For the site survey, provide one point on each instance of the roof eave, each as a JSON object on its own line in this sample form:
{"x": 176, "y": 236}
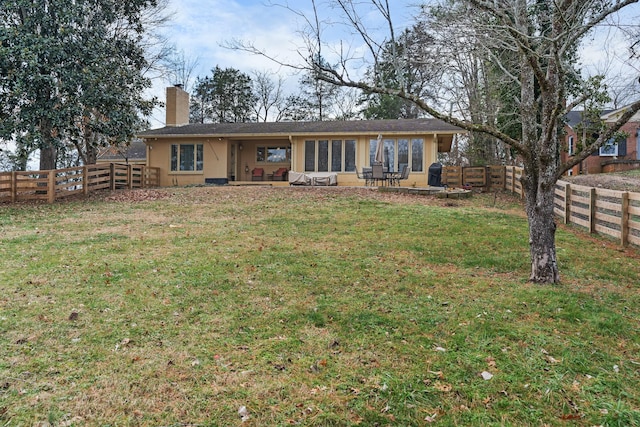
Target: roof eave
{"x": 298, "y": 134}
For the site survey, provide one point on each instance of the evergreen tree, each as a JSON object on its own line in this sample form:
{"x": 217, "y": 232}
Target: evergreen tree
{"x": 412, "y": 64}
{"x": 71, "y": 74}
{"x": 317, "y": 97}
{"x": 224, "y": 97}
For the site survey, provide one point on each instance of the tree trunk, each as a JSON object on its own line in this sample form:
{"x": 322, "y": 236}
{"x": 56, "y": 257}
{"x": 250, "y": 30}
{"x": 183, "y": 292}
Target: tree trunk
{"x": 91, "y": 157}
{"x": 48, "y": 150}
{"x": 540, "y": 165}
{"x": 48, "y": 156}
{"x": 539, "y": 197}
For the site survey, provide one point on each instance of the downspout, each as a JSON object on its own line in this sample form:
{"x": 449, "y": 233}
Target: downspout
{"x": 434, "y": 152}
{"x": 293, "y": 153}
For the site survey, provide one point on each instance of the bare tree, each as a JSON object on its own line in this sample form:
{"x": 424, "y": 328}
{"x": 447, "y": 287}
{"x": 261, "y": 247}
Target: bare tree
{"x": 179, "y": 68}
{"x": 346, "y": 104}
{"x": 270, "y": 96}
{"x": 532, "y": 44}
{"x": 477, "y": 92}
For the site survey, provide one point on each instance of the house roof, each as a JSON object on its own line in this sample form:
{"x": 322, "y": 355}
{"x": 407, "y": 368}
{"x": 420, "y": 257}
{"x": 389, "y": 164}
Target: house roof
{"x": 285, "y": 129}
{"x": 136, "y": 150}
{"x": 574, "y": 118}
{"x": 613, "y": 115}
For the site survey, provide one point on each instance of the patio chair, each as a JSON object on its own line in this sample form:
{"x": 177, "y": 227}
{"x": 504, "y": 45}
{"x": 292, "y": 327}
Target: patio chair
{"x": 397, "y": 177}
{"x": 280, "y": 174}
{"x": 377, "y": 174}
{"x": 257, "y": 174}
{"x": 366, "y": 175}
{"x": 405, "y": 173}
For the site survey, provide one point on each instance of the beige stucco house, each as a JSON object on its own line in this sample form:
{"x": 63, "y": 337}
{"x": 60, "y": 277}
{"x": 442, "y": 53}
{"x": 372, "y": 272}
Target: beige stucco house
{"x": 218, "y": 153}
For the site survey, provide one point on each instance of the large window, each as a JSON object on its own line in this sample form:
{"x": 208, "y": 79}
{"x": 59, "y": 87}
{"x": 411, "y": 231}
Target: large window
{"x": 336, "y": 155}
{"x": 273, "y": 155}
{"x": 614, "y": 147}
{"x": 187, "y": 157}
{"x": 396, "y": 153}
{"x": 403, "y": 153}
{"x": 323, "y": 156}
{"x": 417, "y": 155}
{"x": 310, "y": 156}
{"x": 571, "y": 147}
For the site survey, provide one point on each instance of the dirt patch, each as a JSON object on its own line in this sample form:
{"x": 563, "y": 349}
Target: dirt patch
{"x": 609, "y": 181}
{"x": 229, "y": 194}
{"x": 135, "y": 195}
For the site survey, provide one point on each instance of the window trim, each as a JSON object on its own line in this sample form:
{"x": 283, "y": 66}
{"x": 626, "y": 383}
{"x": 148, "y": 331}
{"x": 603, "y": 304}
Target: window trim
{"x": 329, "y": 159}
{"x": 198, "y": 151}
{"x": 396, "y": 165}
{"x": 612, "y": 144}
{"x": 570, "y": 146}
{"x": 266, "y": 148}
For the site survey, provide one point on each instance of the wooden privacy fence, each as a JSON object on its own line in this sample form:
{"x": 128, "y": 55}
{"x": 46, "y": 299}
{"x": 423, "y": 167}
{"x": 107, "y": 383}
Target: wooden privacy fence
{"x": 484, "y": 177}
{"x": 50, "y": 185}
{"x": 608, "y": 212}
{"x": 612, "y": 213}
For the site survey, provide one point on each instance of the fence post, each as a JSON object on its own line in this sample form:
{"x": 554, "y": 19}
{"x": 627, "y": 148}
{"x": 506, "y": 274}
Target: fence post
{"x": 51, "y": 190}
{"x": 624, "y": 220}
{"x": 14, "y": 186}
{"x": 592, "y": 210}
{"x": 567, "y": 203}
{"x": 513, "y": 179}
{"x": 505, "y": 187}
{"x": 143, "y": 177}
{"x": 487, "y": 178}
{"x": 85, "y": 179}
{"x": 129, "y": 177}
{"x": 112, "y": 176}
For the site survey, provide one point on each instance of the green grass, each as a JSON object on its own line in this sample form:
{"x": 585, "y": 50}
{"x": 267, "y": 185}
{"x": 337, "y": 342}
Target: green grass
{"x": 631, "y": 173}
{"x": 315, "y": 307}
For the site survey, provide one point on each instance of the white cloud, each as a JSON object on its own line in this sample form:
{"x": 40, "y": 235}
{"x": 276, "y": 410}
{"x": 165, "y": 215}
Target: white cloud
{"x": 200, "y": 30}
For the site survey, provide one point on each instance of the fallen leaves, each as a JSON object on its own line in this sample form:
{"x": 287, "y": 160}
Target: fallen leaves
{"x": 243, "y": 413}
{"x": 124, "y": 343}
{"x": 137, "y": 196}
{"x": 570, "y": 417}
{"x": 548, "y": 357}
{"x": 486, "y": 375}
{"x": 491, "y": 362}
{"x": 443, "y": 387}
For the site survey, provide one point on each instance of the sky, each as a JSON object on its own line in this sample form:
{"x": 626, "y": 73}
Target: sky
{"x": 201, "y": 28}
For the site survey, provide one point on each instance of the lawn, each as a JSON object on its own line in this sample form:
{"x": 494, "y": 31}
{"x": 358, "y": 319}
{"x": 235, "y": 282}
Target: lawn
{"x": 220, "y": 306}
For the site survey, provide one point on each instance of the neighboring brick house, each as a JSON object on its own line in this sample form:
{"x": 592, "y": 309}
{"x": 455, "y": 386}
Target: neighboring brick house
{"x": 609, "y": 158}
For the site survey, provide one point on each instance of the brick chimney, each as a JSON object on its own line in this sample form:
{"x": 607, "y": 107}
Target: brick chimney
{"x": 177, "y": 106}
